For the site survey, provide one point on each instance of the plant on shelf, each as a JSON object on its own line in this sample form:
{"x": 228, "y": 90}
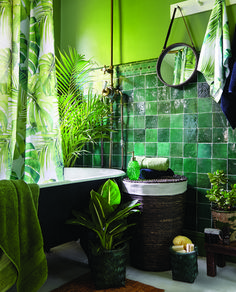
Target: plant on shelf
{"x": 221, "y": 198}
{"x": 107, "y": 218}
{"x": 83, "y": 118}
{"x": 223, "y": 204}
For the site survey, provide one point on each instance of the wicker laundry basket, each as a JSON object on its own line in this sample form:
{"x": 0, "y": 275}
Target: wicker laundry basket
{"x": 160, "y": 220}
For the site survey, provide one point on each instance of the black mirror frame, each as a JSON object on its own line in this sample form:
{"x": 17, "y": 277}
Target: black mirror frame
{"x": 164, "y": 53}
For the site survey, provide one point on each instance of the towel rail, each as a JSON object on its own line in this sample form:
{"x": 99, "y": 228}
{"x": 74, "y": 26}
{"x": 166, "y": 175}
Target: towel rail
{"x": 195, "y": 6}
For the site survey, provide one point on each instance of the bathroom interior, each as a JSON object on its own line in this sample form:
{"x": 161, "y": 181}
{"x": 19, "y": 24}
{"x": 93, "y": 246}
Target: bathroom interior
{"x": 152, "y": 119}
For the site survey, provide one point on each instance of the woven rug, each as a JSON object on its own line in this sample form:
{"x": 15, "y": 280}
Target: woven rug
{"x": 85, "y": 284}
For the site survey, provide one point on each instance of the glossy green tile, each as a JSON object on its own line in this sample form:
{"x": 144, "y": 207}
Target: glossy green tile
{"x": 220, "y": 135}
{"x": 176, "y": 135}
{"x": 177, "y": 106}
{"x": 139, "y": 135}
{"x": 190, "y": 90}
{"x": 164, "y": 107}
{"x": 219, "y": 164}
{"x": 151, "y": 122}
{"x": 96, "y": 160}
{"x": 204, "y": 165}
{"x": 151, "y": 80}
{"x": 130, "y": 147}
{"x": 219, "y": 120}
{"x": 205, "y": 120}
{"x": 127, "y": 83}
{"x": 176, "y": 93}
{"x": 190, "y": 135}
{"x": 190, "y": 150}
{"x": 176, "y": 165}
{"x": 130, "y": 122}
{"x": 151, "y": 108}
{"x": 190, "y": 121}
{"x": 163, "y": 135}
{"x": 151, "y": 94}
{"x": 139, "y": 108}
{"x": 231, "y": 135}
{"x": 139, "y": 81}
{"x": 176, "y": 150}
{"x": 163, "y": 149}
{"x": 205, "y": 135}
{"x": 151, "y": 135}
{"x": 139, "y": 95}
{"x": 190, "y": 106}
{"x": 232, "y": 150}
{"x": 130, "y": 135}
{"x": 177, "y": 121}
{"x": 139, "y": 148}
{"x": 204, "y": 150}
{"x": 192, "y": 178}
{"x": 163, "y": 93}
{"x": 151, "y": 149}
{"x": 139, "y": 122}
{"x": 232, "y": 166}
{"x": 205, "y": 105}
{"x": 203, "y": 181}
{"x": 220, "y": 150}
{"x": 164, "y": 121}
{"x": 190, "y": 164}
{"x": 116, "y": 148}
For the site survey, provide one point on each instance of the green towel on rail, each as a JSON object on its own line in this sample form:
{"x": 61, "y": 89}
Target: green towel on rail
{"x": 22, "y": 258}
{"x": 216, "y": 50}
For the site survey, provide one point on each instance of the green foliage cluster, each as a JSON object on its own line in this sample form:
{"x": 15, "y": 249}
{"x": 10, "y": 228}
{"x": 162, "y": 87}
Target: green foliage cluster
{"x": 218, "y": 194}
{"x": 107, "y": 216}
{"x": 83, "y": 118}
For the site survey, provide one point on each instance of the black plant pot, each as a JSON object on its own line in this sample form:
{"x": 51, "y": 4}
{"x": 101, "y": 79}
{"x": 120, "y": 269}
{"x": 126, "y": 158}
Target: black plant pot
{"x": 108, "y": 268}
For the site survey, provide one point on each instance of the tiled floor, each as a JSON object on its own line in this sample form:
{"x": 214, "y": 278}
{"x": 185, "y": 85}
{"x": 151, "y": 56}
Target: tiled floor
{"x": 68, "y": 261}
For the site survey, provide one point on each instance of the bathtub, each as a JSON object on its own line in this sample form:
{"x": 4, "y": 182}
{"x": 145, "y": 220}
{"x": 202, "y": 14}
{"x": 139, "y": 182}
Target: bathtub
{"x": 58, "y": 199}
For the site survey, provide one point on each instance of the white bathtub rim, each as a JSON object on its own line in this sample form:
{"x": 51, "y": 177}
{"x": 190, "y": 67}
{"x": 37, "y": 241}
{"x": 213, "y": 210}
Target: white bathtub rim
{"x": 154, "y": 189}
{"x": 98, "y": 174}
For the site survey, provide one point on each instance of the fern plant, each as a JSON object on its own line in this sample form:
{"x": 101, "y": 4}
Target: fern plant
{"x": 83, "y": 119}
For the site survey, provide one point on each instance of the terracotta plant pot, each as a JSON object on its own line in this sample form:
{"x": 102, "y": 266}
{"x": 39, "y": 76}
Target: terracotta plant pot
{"x": 225, "y": 220}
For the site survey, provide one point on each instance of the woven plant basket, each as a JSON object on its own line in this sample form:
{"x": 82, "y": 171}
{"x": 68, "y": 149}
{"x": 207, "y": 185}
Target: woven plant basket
{"x": 160, "y": 220}
{"x": 108, "y": 268}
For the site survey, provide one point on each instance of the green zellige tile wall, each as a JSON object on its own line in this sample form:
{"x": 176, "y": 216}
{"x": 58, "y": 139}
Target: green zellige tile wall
{"x": 183, "y": 124}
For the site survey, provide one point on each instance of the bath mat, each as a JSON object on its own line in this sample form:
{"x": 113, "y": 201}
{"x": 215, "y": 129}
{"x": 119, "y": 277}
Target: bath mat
{"x": 85, "y": 284}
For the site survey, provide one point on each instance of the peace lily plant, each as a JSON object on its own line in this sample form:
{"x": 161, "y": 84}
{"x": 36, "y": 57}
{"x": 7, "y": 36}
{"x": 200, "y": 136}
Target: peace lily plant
{"x": 83, "y": 118}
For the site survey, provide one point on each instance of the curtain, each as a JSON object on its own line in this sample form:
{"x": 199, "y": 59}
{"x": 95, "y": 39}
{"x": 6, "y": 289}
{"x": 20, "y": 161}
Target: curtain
{"x": 30, "y": 147}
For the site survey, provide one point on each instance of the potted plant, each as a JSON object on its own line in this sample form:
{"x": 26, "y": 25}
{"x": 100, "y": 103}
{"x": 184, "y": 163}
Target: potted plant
{"x": 223, "y": 203}
{"x": 83, "y": 118}
{"x": 106, "y": 217}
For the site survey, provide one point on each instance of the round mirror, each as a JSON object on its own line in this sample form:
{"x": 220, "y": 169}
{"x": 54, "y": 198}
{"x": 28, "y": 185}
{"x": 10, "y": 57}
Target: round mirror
{"x": 177, "y": 64}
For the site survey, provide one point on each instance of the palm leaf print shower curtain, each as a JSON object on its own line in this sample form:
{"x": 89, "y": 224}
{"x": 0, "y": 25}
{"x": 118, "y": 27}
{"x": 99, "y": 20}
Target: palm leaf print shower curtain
{"x": 30, "y": 147}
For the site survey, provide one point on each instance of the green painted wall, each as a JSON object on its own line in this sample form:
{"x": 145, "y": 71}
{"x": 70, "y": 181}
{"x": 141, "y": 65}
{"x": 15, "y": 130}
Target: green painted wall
{"x": 140, "y": 28}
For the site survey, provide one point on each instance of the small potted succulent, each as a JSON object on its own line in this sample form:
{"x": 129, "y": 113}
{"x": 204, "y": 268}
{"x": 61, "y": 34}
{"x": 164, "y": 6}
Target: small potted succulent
{"x": 106, "y": 217}
{"x": 223, "y": 203}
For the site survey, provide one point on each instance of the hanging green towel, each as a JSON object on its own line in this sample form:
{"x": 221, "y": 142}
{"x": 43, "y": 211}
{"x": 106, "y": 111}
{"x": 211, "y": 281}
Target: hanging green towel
{"x": 22, "y": 258}
{"x": 215, "y": 51}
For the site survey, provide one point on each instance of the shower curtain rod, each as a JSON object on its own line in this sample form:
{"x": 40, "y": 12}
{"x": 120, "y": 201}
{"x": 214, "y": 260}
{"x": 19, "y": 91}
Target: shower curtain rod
{"x": 195, "y": 6}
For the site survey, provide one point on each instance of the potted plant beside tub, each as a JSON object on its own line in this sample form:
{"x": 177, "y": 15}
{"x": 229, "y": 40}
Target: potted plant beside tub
{"x": 107, "y": 218}
{"x": 223, "y": 204}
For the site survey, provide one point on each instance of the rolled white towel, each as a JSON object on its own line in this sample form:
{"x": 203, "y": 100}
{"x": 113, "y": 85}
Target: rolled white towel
{"x": 157, "y": 163}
